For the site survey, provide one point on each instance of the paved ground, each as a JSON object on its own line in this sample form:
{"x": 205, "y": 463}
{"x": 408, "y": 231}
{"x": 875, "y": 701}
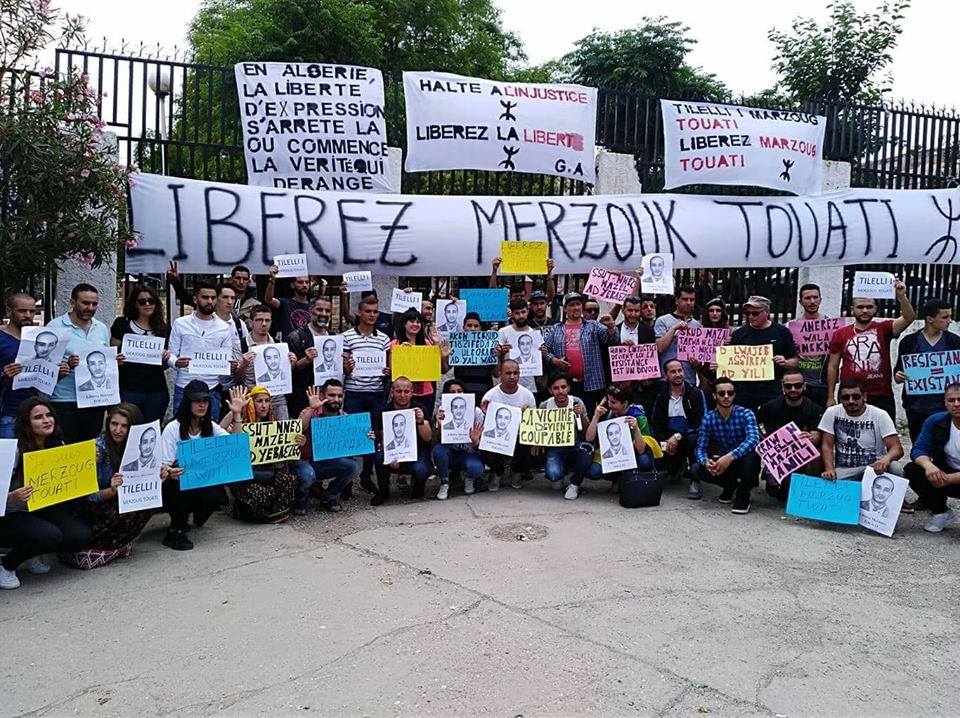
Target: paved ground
{"x": 439, "y": 609}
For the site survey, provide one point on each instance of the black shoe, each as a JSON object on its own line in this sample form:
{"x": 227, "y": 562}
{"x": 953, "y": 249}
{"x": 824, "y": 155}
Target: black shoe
{"x": 201, "y": 517}
{"x": 379, "y": 498}
{"x": 366, "y": 483}
{"x": 726, "y": 496}
{"x": 333, "y": 507}
{"x": 741, "y": 505}
{"x": 418, "y": 489}
{"x": 177, "y": 540}
{"x": 347, "y": 493}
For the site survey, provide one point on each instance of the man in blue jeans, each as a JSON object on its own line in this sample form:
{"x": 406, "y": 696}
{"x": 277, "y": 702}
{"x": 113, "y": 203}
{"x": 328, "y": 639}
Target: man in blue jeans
{"x": 560, "y": 459}
{"x": 401, "y": 397}
{"x": 458, "y": 457}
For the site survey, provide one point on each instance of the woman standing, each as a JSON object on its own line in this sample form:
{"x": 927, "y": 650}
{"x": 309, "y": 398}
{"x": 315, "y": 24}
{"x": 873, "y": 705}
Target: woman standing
{"x": 411, "y": 331}
{"x": 30, "y": 535}
{"x": 714, "y": 317}
{"x": 144, "y": 385}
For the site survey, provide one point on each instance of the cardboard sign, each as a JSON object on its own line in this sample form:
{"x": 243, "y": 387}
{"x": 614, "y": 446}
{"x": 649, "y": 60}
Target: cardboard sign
{"x": 8, "y": 460}
{"x": 142, "y": 349}
{"x": 874, "y": 285}
{"x": 458, "y": 417}
{"x": 273, "y": 441}
{"x": 369, "y": 363}
{"x": 214, "y": 460}
{"x": 617, "y": 452}
{"x": 610, "y": 286}
{"x": 209, "y": 362}
{"x": 811, "y": 497}
{"x": 334, "y": 437}
{"x": 785, "y": 451}
{"x": 700, "y": 343}
{"x": 399, "y": 436}
{"x": 524, "y": 257}
{"x": 501, "y": 424}
{"x": 630, "y": 362}
{"x": 547, "y": 427}
{"x": 417, "y": 363}
{"x": 291, "y": 265}
{"x": 490, "y": 304}
{"x": 473, "y": 348}
{"x": 745, "y": 362}
{"x": 60, "y": 474}
{"x": 329, "y": 361}
{"x": 140, "y": 467}
{"x": 812, "y": 336}
{"x": 657, "y": 274}
{"x": 97, "y": 377}
{"x": 358, "y": 281}
{"x": 930, "y": 372}
{"x": 881, "y": 498}
{"x": 40, "y": 353}
{"x": 272, "y": 369}
{"x": 401, "y": 301}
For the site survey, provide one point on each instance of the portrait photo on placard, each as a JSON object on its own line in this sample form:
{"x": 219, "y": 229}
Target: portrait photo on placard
{"x": 39, "y": 355}
{"x": 881, "y": 498}
{"x": 616, "y": 445}
{"x": 329, "y": 361}
{"x": 458, "y": 417}
{"x": 98, "y": 377}
{"x": 399, "y": 436}
{"x": 501, "y": 424}
{"x": 657, "y": 274}
{"x": 525, "y": 350}
{"x": 450, "y": 314}
{"x": 271, "y": 367}
{"x": 142, "y": 454}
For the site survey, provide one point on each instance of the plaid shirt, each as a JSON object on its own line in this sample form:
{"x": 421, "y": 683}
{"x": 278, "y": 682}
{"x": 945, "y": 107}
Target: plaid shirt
{"x": 592, "y": 335}
{"x": 737, "y": 436}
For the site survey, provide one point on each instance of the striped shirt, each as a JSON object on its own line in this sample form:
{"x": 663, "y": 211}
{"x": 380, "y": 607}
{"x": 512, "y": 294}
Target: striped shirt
{"x": 355, "y": 341}
{"x": 737, "y": 436}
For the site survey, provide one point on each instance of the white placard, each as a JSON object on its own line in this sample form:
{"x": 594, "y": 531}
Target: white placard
{"x": 401, "y": 301}
{"x": 271, "y": 368}
{"x": 450, "y": 314}
{"x": 458, "y": 416}
{"x": 358, "y": 281}
{"x": 874, "y": 285}
{"x": 209, "y": 362}
{"x": 313, "y": 126}
{"x": 40, "y": 352}
{"x": 291, "y": 265}
{"x": 501, "y": 425}
{"x": 8, "y": 459}
{"x": 368, "y": 363}
{"x": 329, "y": 361}
{"x": 399, "y": 436}
{"x": 142, "y": 349}
{"x": 657, "y": 274}
{"x": 525, "y": 350}
{"x": 881, "y": 498}
{"x": 705, "y": 143}
{"x": 616, "y": 445}
{"x": 140, "y": 468}
{"x": 97, "y": 377}
{"x": 456, "y": 122}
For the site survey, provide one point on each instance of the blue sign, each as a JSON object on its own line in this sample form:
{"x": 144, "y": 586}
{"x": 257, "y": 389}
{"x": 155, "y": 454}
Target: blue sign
{"x": 214, "y": 460}
{"x": 490, "y": 304}
{"x": 931, "y": 372}
{"x": 824, "y": 500}
{"x": 473, "y": 348}
{"x": 336, "y": 436}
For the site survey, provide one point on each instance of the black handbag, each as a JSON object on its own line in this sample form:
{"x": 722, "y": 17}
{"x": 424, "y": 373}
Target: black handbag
{"x": 640, "y": 488}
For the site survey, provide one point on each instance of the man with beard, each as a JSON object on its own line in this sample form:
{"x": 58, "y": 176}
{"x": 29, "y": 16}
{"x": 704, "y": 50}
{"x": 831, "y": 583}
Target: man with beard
{"x": 538, "y": 308}
{"x": 245, "y": 290}
{"x": 675, "y": 422}
{"x": 301, "y": 343}
{"x": 294, "y": 311}
{"x": 201, "y": 331}
{"x": 510, "y": 337}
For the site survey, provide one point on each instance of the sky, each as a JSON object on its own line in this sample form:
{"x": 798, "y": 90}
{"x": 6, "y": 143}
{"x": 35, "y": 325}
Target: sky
{"x": 731, "y": 36}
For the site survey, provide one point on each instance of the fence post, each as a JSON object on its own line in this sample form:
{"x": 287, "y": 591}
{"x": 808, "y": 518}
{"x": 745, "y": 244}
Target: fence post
{"x": 836, "y": 176}
{"x": 385, "y": 284}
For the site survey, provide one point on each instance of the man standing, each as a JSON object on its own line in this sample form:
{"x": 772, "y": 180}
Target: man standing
{"x": 260, "y": 320}
{"x": 508, "y": 391}
{"x": 667, "y": 326}
{"x": 294, "y": 312}
{"x": 934, "y": 337}
{"x": 861, "y": 351}
{"x": 401, "y": 397}
{"x": 675, "y": 422}
{"x": 510, "y": 336}
{"x": 725, "y": 449}
{"x": 20, "y": 311}
{"x": 813, "y": 366}
{"x": 760, "y": 329}
{"x": 934, "y": 471}
{"x": 302, "y": 344}
{"x": 85, "y": 332}
{"x": 245, "y": 290}
{"x": 538, "y": 306}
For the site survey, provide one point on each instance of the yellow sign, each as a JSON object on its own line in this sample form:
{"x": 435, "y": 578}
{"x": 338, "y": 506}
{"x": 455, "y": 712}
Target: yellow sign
{"x": 418, "y": 363}
{"x": 523, "y": 257}
{"x": 547, "y": 427}
{"x": 273, "y": 441}
{"x": 745, "y": 363}
{"x": 60, "y": 474}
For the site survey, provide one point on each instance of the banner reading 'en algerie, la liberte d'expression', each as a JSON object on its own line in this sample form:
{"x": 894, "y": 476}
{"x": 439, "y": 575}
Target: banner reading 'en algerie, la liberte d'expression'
{"x": 209, "y": 227}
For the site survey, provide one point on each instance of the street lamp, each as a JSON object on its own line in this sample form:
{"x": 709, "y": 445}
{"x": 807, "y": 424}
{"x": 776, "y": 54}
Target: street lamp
{"x": 159, "y": 82}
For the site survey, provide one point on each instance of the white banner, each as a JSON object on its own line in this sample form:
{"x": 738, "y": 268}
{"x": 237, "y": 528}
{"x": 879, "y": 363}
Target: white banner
{"x": 209, "y": 227}
{"x": 313, "y": 126}
{"x": 456, "y": 122}
{"x": 706, "y": 143}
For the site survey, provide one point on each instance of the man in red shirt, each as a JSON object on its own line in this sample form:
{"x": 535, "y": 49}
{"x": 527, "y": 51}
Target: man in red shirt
{"x": 861, "y": 351}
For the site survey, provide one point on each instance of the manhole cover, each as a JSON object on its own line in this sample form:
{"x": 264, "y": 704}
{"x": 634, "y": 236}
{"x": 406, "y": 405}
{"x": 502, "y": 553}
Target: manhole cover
{"x": 518, "y": 532}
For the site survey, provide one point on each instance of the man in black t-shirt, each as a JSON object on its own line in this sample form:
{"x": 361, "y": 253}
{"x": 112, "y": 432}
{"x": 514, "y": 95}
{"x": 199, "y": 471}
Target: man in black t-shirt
{"x": 759, "y": 330}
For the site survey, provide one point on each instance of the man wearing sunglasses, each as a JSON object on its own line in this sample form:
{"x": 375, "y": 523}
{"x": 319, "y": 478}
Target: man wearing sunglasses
{"x": 761, "y": 329}
{"x": 857, "y": 435}
{"x": 725, "y": 448}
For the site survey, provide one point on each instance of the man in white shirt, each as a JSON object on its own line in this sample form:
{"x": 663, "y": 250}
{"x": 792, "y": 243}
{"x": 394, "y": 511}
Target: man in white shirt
{"x": 508, "y": 391}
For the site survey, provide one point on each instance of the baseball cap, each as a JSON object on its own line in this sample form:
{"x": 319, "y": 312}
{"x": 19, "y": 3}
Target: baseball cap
{"x": 757, "y": 301}
{"x": 196, "y": 390}
{"x": 572, "y": 297}
{"x": 538, "y": 295}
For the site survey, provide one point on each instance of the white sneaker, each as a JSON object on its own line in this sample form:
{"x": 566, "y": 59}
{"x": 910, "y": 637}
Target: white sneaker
{"x": 36, "y": 565}
{"x": 494, "y": 483}
{"x": 443, "y": 492}
{"x": 468, "y": 485}
{"x": 940, "y": 521}
{"x": 8, "y": 579}
{"x": 572, "y": 492}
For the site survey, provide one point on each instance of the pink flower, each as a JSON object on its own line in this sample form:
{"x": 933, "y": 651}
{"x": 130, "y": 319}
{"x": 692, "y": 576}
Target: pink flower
{"x": 131, "y": 242}
{"x": 36, "y": 96}
{"x": 132, "y": 182}
{"x": 71, "y": 116}
{"x": 71, "y": 235}
{"x": 84, "y": 173}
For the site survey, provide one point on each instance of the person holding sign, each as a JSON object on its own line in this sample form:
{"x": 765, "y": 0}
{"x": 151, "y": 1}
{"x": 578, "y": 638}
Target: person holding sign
{"x": 302, "y": 343}
{"x": 458, "y": 457}
{"x": 934, "y": 470}
{"x": 401, "y": 397}
{"x": 31, "y": 534}
{"x": 261, "y": 319}
{"x": 679, "y": 320}
{"x": 476, "y": 379}
{"x": 725, "y": 448}
{"x": 677, "y": 413}
{"x": 537, "y": 306}
{"x": 410, "y": 331}
{"x": 144, "y": 385}
{"x": 714, "y": 316}
{"x": 113, "y": 532}
{"x": 20, "y": 311}
{"x": 295, "y": 311}
{"x": 510, "y": 345}
{"x": 861, "y": 351}
{"x": 760, "y": 329}
{"x": 616, "y": 405}
{"x": 562, "y": 459}
{"x": 812, "y": 365}
{"x": 508, "y": 391}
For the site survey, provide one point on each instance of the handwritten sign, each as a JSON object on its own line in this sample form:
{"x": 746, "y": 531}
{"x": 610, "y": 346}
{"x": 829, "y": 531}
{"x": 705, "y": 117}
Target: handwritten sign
{"x": 60, "y": 474}
{"x": 524, "y": 257}
{"x": 214, "y": 460}
{"x": 547, "y": 427}
{"x": 209, "y": 362}
{"x": 610, "y": 286}
{"x": 745, "y": 362}
{"x": 273, "y": 441}
{"x": 417, "y": 363}
{"x": 369, "y": 363}
{"x": 142, "y": 349}
{"x": 8, "y": 459}
{"x": 700, "y": 343}
{"x": 358, "y": 281}
{"x": 333, "y": 437}
{"x": 473, "y": 348}
{"x": 824, "y": 500}
{"x": 874, "y": 285}
{"x": 785, "y": 451}
{"x": 401, "y": 301}
{"x": 490, "y": 304}
{"x": 291, "y": 265}
{"x": 881, "y": 498}
{"x": 931, "y": 372}
{"x": 140, "y": 468}
{"x": 812, "y": 336}
{"x": 630, "y": 362}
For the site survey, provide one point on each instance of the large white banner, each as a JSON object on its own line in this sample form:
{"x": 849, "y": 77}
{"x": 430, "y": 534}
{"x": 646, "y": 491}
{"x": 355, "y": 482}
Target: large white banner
{"x": 706, "y": 143}
{"x": 209, "y": 227}
{"x": 313, "y": 126}
{"x": 456, "y": 122}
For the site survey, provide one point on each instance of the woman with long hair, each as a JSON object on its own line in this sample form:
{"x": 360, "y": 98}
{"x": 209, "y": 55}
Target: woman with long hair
{"x": 269, "y": 495}
{"x": 30, "y": 535}
{"x": 113, "y": 532}
{"x": 411, "y": 330}
{"x": 714, "y": 316}
{"x": 144, "y": 385}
